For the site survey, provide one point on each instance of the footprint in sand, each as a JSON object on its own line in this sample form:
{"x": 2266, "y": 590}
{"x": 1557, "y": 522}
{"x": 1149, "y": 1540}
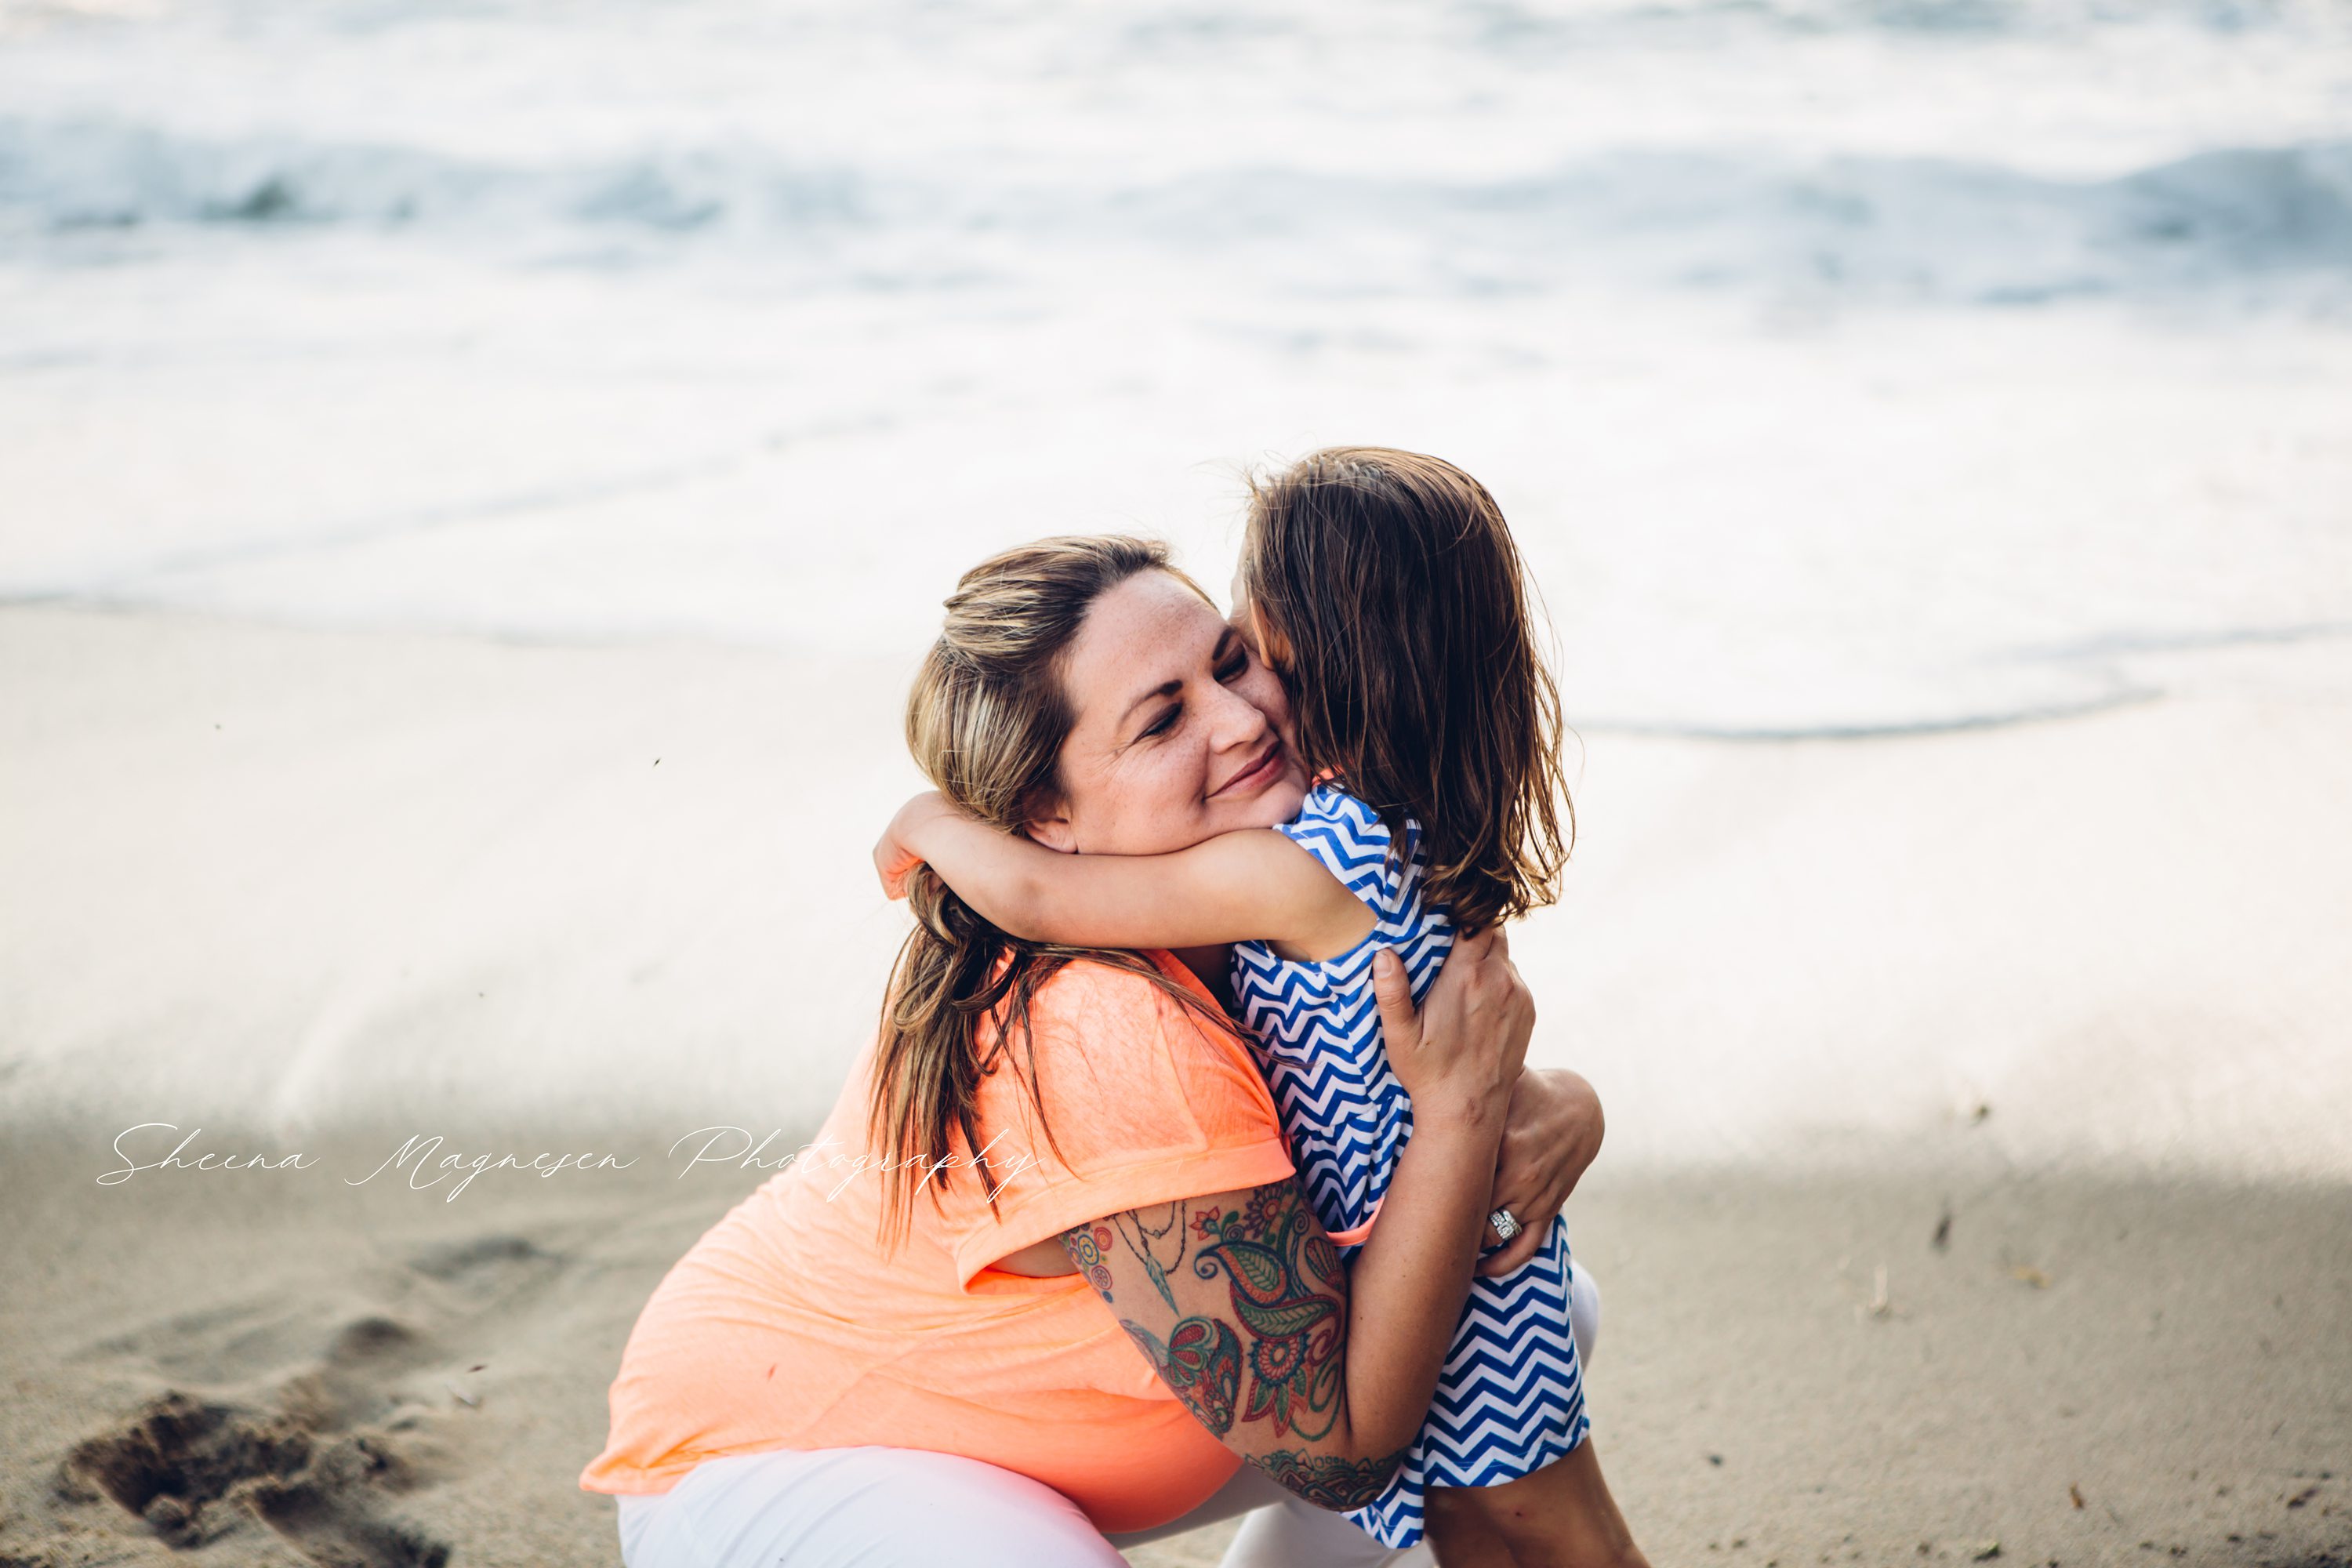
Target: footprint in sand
{"x": 484, "y": 1271}
{"x": 194, "y": 1469}
{"x": 300, "y": 1420}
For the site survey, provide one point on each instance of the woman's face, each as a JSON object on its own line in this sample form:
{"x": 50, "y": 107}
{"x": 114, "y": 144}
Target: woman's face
{"x": 1180, "y": 732}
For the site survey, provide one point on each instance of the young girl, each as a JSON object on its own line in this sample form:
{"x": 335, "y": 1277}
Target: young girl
{"x": 1383, "y": 587}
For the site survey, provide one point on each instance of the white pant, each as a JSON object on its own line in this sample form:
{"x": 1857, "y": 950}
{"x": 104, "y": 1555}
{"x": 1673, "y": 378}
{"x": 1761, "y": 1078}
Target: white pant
{"x": 905, "y": 1508}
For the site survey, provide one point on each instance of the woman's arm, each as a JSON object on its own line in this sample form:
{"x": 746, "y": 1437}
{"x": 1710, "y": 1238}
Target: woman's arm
{"x": 1319, "y": 1374}
{"x": 1236, "y": 885}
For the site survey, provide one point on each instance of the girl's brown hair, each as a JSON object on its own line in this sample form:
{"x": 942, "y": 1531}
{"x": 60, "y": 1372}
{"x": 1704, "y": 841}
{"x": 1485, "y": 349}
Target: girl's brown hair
{"x": 986, "y": 720}
{"x": 1397, "y": 611}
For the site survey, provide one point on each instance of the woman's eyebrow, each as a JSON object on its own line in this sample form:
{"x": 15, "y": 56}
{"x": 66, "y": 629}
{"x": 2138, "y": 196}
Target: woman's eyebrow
{"x": 1172, "y": 688}
{"x": 1165, "y": 688}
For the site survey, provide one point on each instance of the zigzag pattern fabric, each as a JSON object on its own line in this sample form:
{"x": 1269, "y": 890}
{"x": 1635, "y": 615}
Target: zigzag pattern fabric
{"x": 1510, "y": 1398}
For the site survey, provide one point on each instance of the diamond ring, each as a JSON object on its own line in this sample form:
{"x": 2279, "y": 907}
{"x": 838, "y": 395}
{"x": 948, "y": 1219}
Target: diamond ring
{"x": 1506, "y": 1224}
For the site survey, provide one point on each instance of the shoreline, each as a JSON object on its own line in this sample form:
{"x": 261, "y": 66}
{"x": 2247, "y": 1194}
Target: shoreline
{"x": 289, "y": 877}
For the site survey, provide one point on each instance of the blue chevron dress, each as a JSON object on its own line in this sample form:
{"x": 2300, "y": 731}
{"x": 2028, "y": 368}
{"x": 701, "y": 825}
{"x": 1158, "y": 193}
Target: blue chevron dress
{"x": 1510, "y": 1398}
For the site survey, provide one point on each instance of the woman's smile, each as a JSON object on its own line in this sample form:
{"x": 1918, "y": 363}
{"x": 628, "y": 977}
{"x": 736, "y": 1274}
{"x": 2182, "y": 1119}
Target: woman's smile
{"x": 1177, "y": 727}
{"x": 1256, "y": 777}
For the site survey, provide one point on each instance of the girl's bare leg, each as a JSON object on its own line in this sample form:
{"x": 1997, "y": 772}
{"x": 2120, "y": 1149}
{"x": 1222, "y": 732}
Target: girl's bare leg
{"x": 1560, "y": 1517}
{"x": 1459, "y": 1533}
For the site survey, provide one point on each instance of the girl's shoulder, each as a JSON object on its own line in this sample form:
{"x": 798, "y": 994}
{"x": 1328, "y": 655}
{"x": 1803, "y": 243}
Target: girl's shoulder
{"x": 1328, "y": 805}
{"x": 1347, "y": 836}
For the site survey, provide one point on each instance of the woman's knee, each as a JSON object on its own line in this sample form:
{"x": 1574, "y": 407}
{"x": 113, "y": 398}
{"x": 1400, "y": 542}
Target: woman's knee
{"x": 875, "y": 1508}
{"x": 1296, "y": 1534}
{"x": 1583, "y": 1312}
{"x": 973, "y": 1513}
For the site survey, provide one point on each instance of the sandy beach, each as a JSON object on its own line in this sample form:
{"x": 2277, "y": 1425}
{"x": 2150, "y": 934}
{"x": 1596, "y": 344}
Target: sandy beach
{"x": 335, "y": 1375}
{"x": 1931, "y": 1204}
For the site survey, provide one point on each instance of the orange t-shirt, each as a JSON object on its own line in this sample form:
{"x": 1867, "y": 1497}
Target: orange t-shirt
{"x": 787, "y": 1326}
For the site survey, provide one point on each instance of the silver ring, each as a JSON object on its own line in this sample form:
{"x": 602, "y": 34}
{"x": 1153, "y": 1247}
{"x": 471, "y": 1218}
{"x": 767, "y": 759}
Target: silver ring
{"x": 1506, "y": 1224}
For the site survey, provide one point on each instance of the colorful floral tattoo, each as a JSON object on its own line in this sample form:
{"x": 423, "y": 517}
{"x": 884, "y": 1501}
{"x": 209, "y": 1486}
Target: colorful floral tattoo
{"x": 1085, "y": 1245}
{"x": 1330, "y": 1482}
{"x": 1201, "y": 1361}
{"x": 1284, "y": 1288}
{"x": 1284, "y": 1283}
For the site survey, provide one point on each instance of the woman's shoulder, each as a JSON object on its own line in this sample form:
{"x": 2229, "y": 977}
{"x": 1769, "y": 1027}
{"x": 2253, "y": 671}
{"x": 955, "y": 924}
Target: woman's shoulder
{"x": 1119, "y": 1061}
{"x": 1125, "y": 1097}
{"x": 1140, "y": 1003}
{"x": 1144, "y": 974}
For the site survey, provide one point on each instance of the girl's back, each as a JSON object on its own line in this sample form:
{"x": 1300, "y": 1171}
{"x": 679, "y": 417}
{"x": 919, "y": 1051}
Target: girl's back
{"x": 1315, "y": 1022}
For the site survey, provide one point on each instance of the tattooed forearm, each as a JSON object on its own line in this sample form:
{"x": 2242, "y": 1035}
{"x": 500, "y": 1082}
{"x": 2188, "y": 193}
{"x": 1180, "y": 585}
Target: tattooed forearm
{"x": 1240, "y": 1302}
{"x": 1283, "y": 1279}
{"x": 1201, "y": 1361}
{"x": 1327, "y": 1481}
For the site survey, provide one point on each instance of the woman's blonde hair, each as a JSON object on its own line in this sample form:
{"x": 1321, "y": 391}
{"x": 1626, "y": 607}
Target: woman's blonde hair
{"x": 986, "y": 721}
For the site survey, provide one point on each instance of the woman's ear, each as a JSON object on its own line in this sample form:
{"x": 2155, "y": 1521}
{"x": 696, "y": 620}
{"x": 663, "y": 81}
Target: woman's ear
{"x": 1054, "y": 832}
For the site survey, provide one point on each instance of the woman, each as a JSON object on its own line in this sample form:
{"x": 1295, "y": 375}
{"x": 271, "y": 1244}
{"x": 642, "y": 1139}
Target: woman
{"x": 1047, "y": 1280}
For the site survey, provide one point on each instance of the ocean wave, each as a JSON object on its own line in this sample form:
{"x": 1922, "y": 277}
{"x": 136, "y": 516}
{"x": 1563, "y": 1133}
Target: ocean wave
{"x": 1920, "y": 228}
{"x": 1517, "y": 23}
{"x": 1934, "y": 230}
{"x": 1934, "y": 717}
{"x": 89, "y": 175}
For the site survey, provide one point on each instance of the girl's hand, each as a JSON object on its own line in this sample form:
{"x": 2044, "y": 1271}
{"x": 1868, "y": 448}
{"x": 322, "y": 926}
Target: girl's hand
{"x": 895, "y": 854}
{"x": 1550, "y": 1135}
{"x": 1461, "y": 1056}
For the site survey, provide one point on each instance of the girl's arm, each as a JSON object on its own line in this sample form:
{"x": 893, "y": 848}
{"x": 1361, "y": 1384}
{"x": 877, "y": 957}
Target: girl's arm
{"x": 1321, "y": 1373}
{"x": 1235, "y": 887}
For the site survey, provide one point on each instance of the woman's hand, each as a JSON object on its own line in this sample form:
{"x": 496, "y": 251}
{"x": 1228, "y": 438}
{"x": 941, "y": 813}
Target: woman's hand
{"x": 1461, "y": 1056}
{"x": 1550, "y": 1135}
{"x": 895, "y": 854}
